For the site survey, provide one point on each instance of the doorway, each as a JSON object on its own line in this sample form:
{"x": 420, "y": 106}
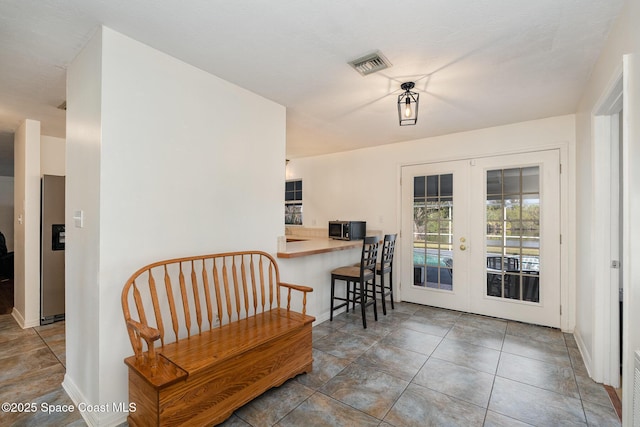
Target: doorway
{"x": 484, "y": 236}
{"x": 608, "y": 226}
{"x": 6, "y": 225}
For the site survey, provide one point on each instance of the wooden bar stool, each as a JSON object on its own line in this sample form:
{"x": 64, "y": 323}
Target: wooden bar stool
{"x": 386, "y": 266}
{"x": 364, "y": 279}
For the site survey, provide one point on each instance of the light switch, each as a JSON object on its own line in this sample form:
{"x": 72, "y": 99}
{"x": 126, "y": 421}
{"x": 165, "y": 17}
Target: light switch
{"x": 78, "y": 219}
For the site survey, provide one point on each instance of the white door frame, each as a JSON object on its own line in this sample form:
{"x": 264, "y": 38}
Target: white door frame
{"x": 631, "y": 230}
{"x": 605, "y": 365}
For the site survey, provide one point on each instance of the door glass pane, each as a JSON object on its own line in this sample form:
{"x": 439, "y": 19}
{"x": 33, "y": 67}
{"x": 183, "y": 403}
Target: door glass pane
{"x": 432, "y": 186}
{"x": 511, "y": 181}
{"x": 531, "y": 179}
{"x": 494, "y": 183}
{"x": 512, "y": 240}
{"x": 446, "y": 186}
{"x": 419, "y": 187}
{"x": 433, "y": 231}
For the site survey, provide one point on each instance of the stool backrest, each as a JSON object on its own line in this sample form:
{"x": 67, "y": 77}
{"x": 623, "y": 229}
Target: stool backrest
{"x": 369, "y": 256}
{"x": 388, "y": 248}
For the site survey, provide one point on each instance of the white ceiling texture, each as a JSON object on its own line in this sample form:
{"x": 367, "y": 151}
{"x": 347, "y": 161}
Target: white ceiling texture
{"x": 476, "y": 63}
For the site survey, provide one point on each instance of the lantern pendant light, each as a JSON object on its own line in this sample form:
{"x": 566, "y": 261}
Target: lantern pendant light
{"x": 408, "y": 105}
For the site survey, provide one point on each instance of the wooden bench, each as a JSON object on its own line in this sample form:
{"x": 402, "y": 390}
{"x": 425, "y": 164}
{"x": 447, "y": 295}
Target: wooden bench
{"x": 209, "y": 335}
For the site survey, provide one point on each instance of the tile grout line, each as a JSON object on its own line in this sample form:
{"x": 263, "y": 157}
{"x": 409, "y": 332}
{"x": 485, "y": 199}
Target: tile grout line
{"x": 495, "y": 375}
{"x": 575, "y": 380}
{"x": 50, "y": 349}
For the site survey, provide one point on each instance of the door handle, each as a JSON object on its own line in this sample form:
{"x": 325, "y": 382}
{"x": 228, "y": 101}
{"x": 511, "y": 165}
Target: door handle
{"x": 463, "y": 247}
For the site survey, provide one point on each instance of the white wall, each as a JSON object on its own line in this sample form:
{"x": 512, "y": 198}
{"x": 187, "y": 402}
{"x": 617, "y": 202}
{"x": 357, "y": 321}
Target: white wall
{"x": 163, "y": 164}
{"x": 6, "y": 209}
{"x": 52, "y": 156}
{"x": 624, "y": 38}
{"x": 82, "y": 252}
{"x": 26, "y": 309}
{"x": 364, "y": 184}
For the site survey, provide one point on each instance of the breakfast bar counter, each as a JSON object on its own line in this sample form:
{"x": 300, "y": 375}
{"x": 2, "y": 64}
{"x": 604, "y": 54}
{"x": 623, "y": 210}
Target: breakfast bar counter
{"x": 305, "y": 246}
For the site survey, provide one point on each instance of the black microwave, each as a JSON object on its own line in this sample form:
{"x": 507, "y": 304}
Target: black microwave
{"x": 347, "y": 230}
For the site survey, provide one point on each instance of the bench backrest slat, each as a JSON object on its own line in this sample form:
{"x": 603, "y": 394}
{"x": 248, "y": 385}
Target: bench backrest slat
{"x": 271, "y": 288}
{"x": 185, "y": 302}
{"x": 156, "y": 306}
{"x": 236, "y": 287}
{"x": 172, "y": 304}
{"x": 225, "y": 280}
{"x": 261, "y": 270}
{"x": 207, "y": 294}
{"x": 216, "y": 281}
{"x": 244, "y": 286}
{"x": 196, "y": 296}
{"x": 252, "y": 268}
{"x": 139, "y": 306}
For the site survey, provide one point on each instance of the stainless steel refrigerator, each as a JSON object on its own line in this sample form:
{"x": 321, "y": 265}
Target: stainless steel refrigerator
{"x": 52, "y": 240}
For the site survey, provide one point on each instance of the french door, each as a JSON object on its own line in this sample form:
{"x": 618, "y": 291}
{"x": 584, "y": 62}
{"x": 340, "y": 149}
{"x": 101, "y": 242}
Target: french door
{"x": 483, "y": 236}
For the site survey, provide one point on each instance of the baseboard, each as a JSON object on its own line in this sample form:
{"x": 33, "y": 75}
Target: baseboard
{"x": 92, "y": 418}
{"x": 323, "y": 317}
{"x": 20, "y": 319}
{"x": 586, "y": 356}
{"x": 77, "y": 397}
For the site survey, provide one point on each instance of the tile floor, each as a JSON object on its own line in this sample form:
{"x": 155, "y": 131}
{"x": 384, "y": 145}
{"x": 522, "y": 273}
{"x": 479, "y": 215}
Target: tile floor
{"x": 32, "y": 365}
{"x": 417, "y": 366}
{"x": 423, "y": 366}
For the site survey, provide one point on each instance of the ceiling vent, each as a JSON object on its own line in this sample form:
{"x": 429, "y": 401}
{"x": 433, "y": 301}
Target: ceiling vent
{"x": 371, "y": 63}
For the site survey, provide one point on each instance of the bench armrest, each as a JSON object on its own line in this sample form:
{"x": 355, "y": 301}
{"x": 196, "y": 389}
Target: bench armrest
{"x": 148, "y": 334}
{"x": 297, "y": 287}
{"x": 304, "y": 289}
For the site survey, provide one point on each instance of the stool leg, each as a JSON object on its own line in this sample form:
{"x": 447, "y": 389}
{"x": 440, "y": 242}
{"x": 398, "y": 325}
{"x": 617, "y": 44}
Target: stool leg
{"x": 391, "y": 288}
{"x": 383, "y": 293}
{"x": 353, "y": 292}
{"x": 347, "y": 290}
{"x": 363, "y": 303}
{"x": 333, "y": 285}
{"x": 375, "y": 304}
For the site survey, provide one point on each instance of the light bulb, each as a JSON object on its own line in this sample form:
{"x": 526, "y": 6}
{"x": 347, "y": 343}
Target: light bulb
{"x": 407, "y": 109}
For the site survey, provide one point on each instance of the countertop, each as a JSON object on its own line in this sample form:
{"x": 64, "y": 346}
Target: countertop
{"x": 300, "y": 246}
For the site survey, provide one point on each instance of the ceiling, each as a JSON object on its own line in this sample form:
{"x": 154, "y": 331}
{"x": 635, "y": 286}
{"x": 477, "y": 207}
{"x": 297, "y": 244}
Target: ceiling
{"x": 476, "y": 63}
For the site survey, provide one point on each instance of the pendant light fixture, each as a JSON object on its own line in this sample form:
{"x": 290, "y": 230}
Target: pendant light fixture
{"x": 408, "y": 105}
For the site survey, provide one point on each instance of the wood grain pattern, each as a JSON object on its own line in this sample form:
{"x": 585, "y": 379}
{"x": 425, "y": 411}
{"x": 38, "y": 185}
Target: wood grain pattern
{"x": 248, "y": 346}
